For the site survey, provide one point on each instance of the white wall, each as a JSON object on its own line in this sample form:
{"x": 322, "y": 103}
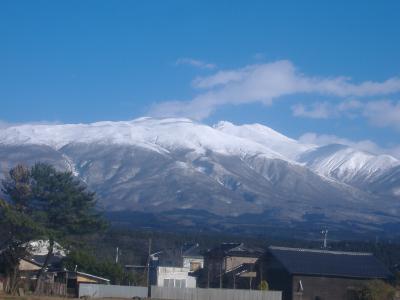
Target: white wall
{"x": 176, "y": 277}
{"x": 207, "y": 294}
{"x": 111, "y": 291}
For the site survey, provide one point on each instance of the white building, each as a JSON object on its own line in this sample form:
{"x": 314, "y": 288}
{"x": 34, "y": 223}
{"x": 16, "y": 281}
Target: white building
{"x": 175, "y": 277}
{"x": 177, "y": 270}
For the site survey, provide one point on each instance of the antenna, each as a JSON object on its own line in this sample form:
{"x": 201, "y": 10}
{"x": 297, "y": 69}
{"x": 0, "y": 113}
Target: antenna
{"x": 325, "y": 234}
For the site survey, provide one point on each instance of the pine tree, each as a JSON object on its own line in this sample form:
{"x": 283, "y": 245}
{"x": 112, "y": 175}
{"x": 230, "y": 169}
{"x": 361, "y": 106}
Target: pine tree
{"x": 53, "y": 204}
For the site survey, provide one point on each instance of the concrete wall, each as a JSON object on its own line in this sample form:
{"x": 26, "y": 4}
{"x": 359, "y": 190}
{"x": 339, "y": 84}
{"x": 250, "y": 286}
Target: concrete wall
{"x": 177, "y": 275}
{"x": 212, "y": 294}
{"x": 111, "y": 291}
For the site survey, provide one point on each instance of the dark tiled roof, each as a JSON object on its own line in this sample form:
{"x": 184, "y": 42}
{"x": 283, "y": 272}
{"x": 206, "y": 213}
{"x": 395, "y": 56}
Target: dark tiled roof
{"x": 330, "y": 263}
{"x": 54, "y": 259}
{"x": 242, "y": 250}
{"x": 170, "y": 257}
{"x": 192, "y": 251}
{"x": 235, "y": 249}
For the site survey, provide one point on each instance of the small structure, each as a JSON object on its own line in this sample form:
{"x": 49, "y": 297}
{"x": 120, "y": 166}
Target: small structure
{"x": 231, "y": 265}
{"x": 29, "y": 268}
{"x": 176, "y": 267}
{"x": 305, "y": 274}
{"x": 73, "y": 279}
{"x": 175, "y": 277}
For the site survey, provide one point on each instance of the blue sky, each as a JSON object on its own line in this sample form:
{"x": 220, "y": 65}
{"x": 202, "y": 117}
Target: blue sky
{"x": 325, "y": 71}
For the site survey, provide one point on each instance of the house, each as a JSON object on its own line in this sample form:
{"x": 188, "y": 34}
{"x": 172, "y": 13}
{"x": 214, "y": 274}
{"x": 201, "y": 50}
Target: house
{"x": 305, "y": 274}
{"x": 176, "y": 267}
{"x": 29, "y": 268}
{"x": 72, "y": 279}
{"x": 231, "y": 265}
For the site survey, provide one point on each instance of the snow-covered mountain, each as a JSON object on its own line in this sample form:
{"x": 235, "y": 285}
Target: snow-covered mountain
{"x": 159, "y": 165}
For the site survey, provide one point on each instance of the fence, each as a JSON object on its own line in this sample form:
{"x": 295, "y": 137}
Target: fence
{"x": 111, "y": 291}
{"x": 212, "y": 294}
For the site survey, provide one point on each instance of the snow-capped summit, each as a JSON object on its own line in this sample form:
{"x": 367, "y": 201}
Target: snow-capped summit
{"x": 170, "y": 134}
{"x": 347, "y": 164}
{"x": 267, "y": 137}
{"x": 156, "y": 134}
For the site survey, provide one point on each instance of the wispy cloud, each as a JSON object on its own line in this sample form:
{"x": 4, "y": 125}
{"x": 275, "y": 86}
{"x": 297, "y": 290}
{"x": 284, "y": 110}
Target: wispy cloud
{"x": 362, "y": 145}
{"x": 265, "y": 83}
{"x": 195, "y": 63}
{"x": 5, "y": 124}
{"x": 326, "y": 110}
{"x": 381, "y": 113}
{"x": 318, "y": 110}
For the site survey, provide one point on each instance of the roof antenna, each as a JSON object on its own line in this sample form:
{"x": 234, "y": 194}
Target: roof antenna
{"x": 325, "y": 234}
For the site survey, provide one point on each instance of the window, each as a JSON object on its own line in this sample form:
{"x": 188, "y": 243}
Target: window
{"x": 168, "y": 282}
{"x": 178, "y": 283}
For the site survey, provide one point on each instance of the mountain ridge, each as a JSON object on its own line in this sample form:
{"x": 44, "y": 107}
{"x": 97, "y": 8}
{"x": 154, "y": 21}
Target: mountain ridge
{"x": 157, "y": 165}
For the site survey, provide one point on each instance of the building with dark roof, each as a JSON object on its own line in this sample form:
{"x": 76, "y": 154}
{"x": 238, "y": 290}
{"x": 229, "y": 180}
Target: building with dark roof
{"x": 231, "y": 265}
{"x": 308, "y": 274}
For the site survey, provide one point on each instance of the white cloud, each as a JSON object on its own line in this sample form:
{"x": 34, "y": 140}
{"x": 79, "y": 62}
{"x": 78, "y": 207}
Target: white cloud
{"x": 383, "y": 113}
{"x": 195, "y": 63}
{"x": 318, "y": 110}
{"x": 362, "y": 145}
{"x": 325, "y": 110}
{"x": 265, "y": 83}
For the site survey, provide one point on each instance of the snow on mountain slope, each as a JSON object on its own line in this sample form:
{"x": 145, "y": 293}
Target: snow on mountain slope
{"x": 156, "y": 134}
{"x": 159, "y": 165}
{"x": 346, "y": 164}
{"x": 337, "y": 162}
{"x": 267, "y": 137}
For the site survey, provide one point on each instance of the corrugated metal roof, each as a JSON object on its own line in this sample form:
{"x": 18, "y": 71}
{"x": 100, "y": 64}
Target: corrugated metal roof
{"x": 330, "y": 263}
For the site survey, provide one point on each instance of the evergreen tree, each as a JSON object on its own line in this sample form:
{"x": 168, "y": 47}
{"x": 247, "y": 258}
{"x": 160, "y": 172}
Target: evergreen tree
{"x": 54, "y": 204}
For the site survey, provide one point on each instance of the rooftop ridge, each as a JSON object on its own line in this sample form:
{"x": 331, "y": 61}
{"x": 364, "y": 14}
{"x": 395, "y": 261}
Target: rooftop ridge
{"x": 320, "y": 251}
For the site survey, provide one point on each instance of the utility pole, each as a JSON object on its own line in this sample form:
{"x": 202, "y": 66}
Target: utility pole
{"x": 325, "y": 234}
{"x": 208, "y": 276}
{"x": 220, "y": 275}
{"x": 148, "y": 269}
{"x": 117, "y": 255}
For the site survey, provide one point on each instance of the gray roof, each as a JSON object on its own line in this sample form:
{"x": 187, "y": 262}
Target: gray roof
{"x": 330, "y": 263}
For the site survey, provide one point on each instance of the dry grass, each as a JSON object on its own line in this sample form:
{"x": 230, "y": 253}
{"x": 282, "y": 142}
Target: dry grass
{"x": 28, "y": 297}
{"x": 8, "y": 297}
